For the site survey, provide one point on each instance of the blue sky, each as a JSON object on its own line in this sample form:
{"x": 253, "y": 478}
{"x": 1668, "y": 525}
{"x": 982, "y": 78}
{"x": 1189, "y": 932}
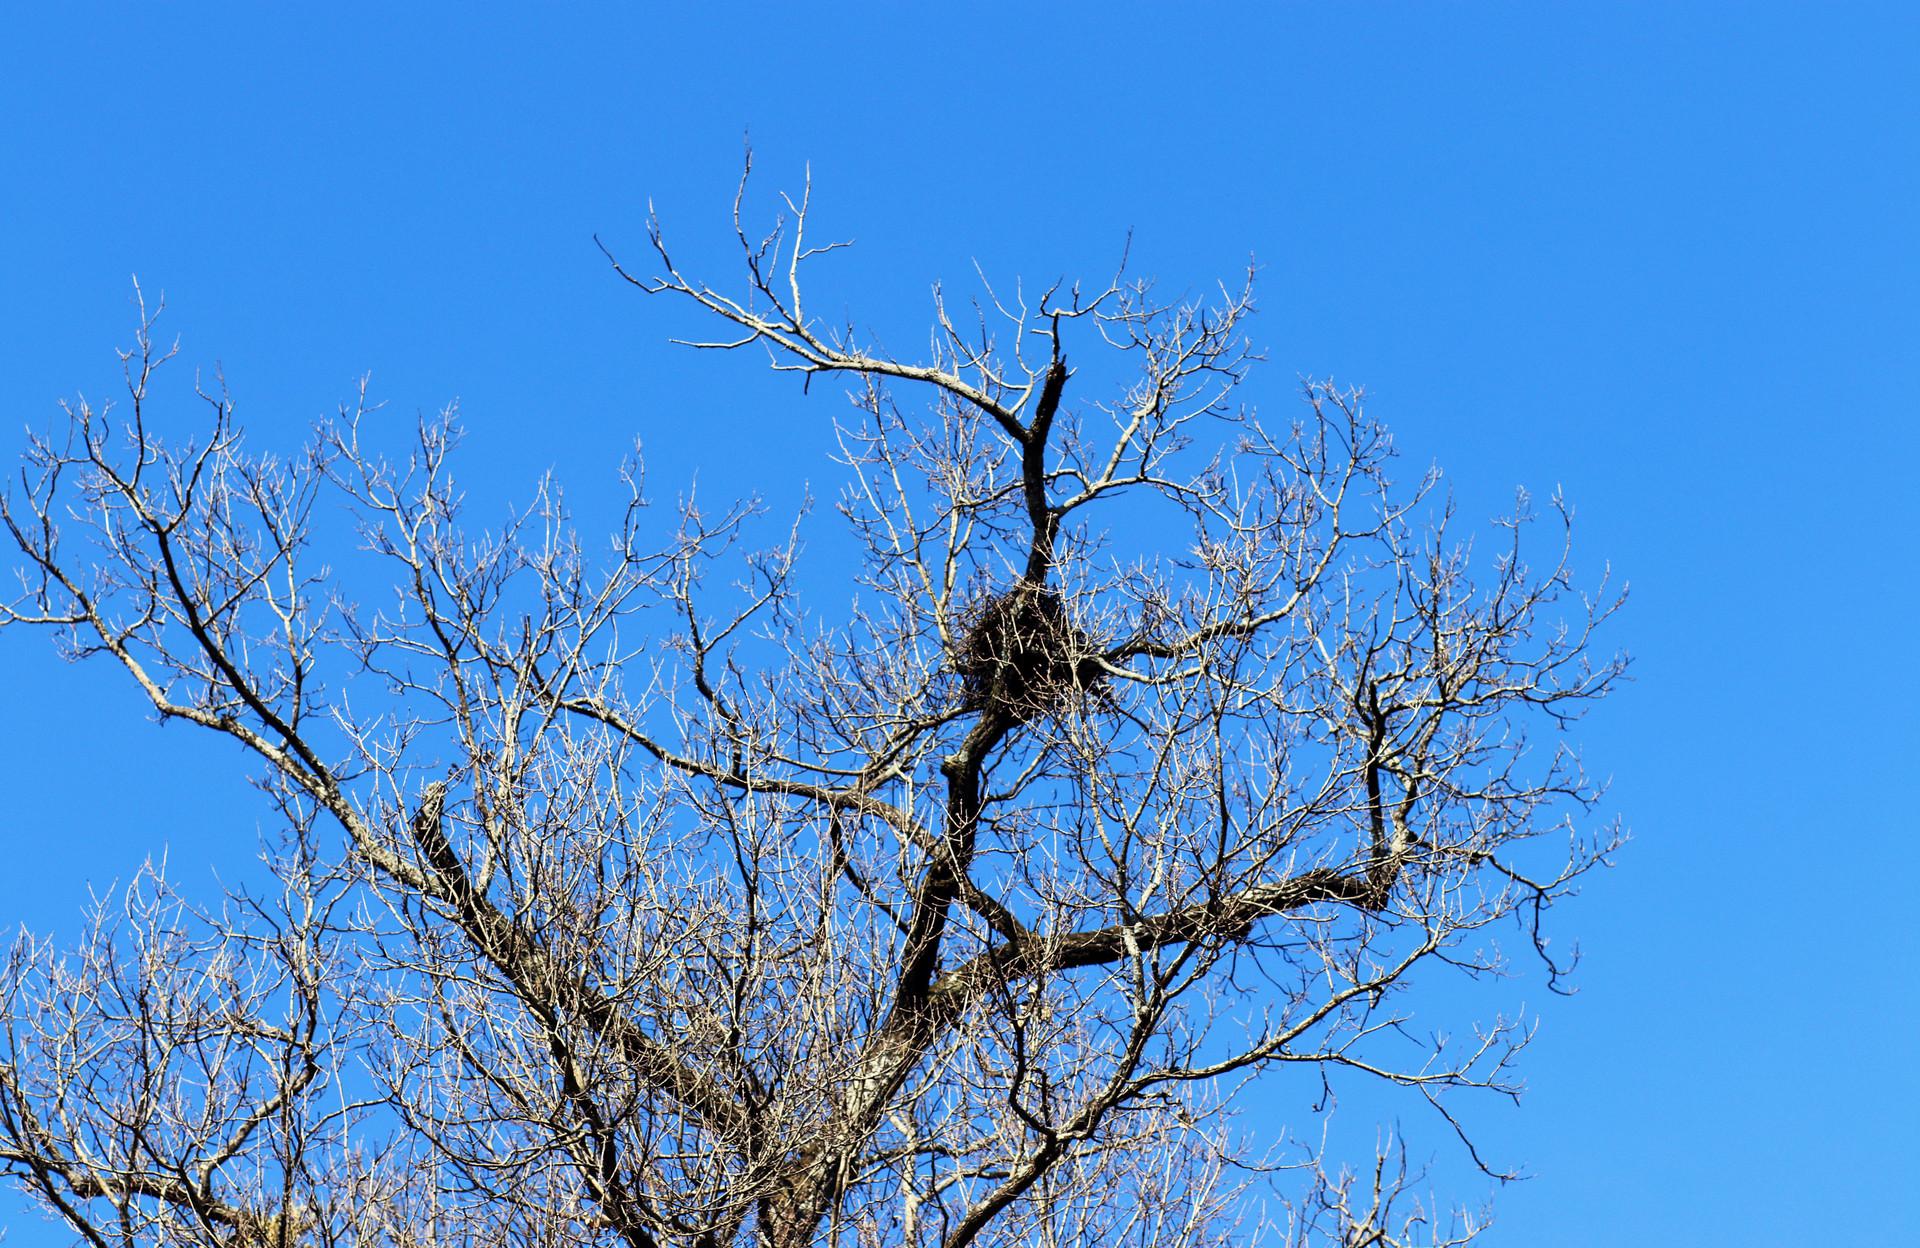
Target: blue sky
{"x": 1661, "y": 255}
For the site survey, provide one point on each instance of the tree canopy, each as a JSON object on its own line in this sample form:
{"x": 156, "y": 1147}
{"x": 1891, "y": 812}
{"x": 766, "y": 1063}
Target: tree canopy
{"x": 661, "y": 889}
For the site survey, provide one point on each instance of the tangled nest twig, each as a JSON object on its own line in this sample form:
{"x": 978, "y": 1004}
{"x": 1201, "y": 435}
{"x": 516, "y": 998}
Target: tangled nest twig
{"x": 1022, "y": 653}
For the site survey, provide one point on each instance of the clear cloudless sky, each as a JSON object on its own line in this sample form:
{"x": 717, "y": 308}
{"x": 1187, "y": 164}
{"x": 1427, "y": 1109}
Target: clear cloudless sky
{"x": 1662, "y": 255}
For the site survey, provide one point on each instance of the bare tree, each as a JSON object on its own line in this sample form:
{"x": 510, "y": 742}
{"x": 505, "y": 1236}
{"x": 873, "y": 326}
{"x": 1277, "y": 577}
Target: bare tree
{"x": 1152, "y": 748}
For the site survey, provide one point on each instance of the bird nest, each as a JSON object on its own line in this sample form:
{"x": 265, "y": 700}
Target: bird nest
{"x": 1020, "y": 652}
